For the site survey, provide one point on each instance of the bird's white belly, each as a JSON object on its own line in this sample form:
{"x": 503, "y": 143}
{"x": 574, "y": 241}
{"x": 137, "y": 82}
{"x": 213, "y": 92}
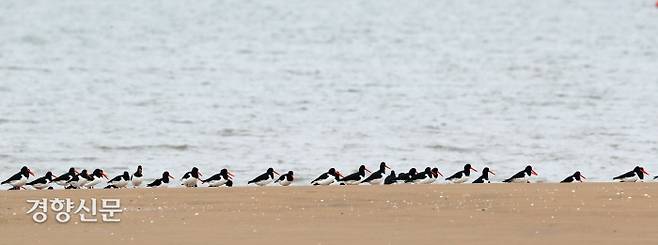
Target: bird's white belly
{"x": 521, "y": 180}
{"x": 630, "y": 179}
{"x": 376, "y": 181}
{"x": 460, "y": 180}
{"x": 327, "y": 181}
{"x": 217, "y": 183}
{"x": 120, "y": 183}
{"x": 285, "y": 182}
{"x": 93, "y": 183}
{"x": 137, "y": 181}
{"x": 425, "y": 180}
{"x": 61, "y": 182}
{"x": 40, "y": 186}
{"x": 19, "y": 183}
{"x": 190, "y": 182}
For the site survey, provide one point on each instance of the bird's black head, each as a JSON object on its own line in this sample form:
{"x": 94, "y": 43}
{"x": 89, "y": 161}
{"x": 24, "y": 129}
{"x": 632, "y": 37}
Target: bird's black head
{"x": 166, "y": 175}
{"x": 383, "y": 167}
{"x": 363, "y": 169}
{"x": 139, "y": 169}
{"x": 270, "y": 170}
{"x": 640, "y": 171}
{"x": 195, "y": 170}
{"x": 428, "y": 171}
{"x": 332, "y": 171}
{"x": 26, "y": 171}
{"x": 529, "y": 171}
{"x": 126, "y": 175}
{"x": 486, "y": 171}
{"x": 393, "y": 173}
{"x": 97, "y": 173}
{"x": 436, "y": 173}
{"x": 290, "y": 173}
{"x": 49, "y": 175}
{"x": 578, "y": 176}
{"x": 412, "y": 171}
{"x": 72, "y": 171}
{"x": 84, "y": 173}
{"x": 223, "y": 171}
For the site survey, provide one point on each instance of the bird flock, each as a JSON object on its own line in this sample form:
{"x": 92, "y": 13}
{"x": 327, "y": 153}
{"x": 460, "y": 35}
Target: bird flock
{"x": 74, "y": 179}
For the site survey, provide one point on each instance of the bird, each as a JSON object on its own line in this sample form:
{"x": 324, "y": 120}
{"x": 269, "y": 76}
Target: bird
{"x": 484, "y": 178}
{"x": 224, "y": 177}
{"x": 377, "y": 177}
{"x": 19, "y": 179}
{"x": 137, "y": 177}
{"x": 190, "y": 178}
{"x": 64, "y": 178}
{"x": 391, "y": 178}
{"x": 637, "y": 174}
{"x": 522, "y": 177}
{"x": 43, "y": 182}
{"x": 79, "y": 180}
{"x": 327, "y": 178}
{"x": 120, "y": 181}
{"x": 435, "y": 175}
{"x": 425, "y": 177}
{"x": 462, "y": 176}
{"x": 95, "y": 178}
{"x": 285, "y": 179}
{"x": 405, "y": 177}
{"x": 161, "y": 182}
{"x": 574, "y": 177}
{"x": 355, "y": 178}
{"x": 264, "y": 179}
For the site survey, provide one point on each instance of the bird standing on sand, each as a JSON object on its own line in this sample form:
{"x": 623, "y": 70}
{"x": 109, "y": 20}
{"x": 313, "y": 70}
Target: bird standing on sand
{"x": 137, "y": 177}
{"x": 327, "y": 178}
{"x": 574, "y": 177}
{"x": 461, "y": 176}
{"x": 285, "y": 179}
{"x": 377, "y": 177}
{"x": 190, "y": 178}
{"x": 408, "y": 176}
{"x": 79, "y": 180}
{"x": 64, "y": 178}
{"x": 224, "y": 177}
{"x": 264, "y": 179}
{"x": 43, "y": 182}
{"x": 161, "y": 182}
{"x": 637, "y": 174}
{"x": 425, "y": 177}
{"x": 19, "y": 179}
{"x": 120, "y": 181}
{"x": 355, "y": 178}
{"x": 484, "y": 178}
{"x": 522, "y": 177}
{"x": 95, "y": 178}
{"x": 391, "y": 178}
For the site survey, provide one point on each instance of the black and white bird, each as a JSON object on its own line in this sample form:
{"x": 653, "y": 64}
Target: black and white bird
{"x": 79, "y": 180}
{"x": 435, "y": 175}
{"x": 637, "y": 174}
{"x": 522, "y": 177}
{"x": 484, "y": 178}
{"x": 264, "y": 179}
{"x": 120, "y": 181}
{"x": 355, "y": 178}
{"x": 191, "y": 178}
{"x": 391, "y": 178}
{"x": 95, "y": 178}
{"x": 574, "y": 177}
{"x": 161, "y": 182}
{"x": 43, "y": 182}
{"x": 424, "y": 177}
{"x": 64, "y": 178}
{"x": 327, "y": 178}
{"x": 377, "y": 177}
{"x": 19, "y": 179}
{"x": 285, "y": 179}
{"x": 224, "y": 177}
{"x": 462, "y": 176}
{"x": 408, "y": 176}
{"x": 137, "y": 178}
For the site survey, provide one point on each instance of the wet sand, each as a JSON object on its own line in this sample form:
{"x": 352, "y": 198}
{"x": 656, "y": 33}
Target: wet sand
{"x": 591, "y": 213}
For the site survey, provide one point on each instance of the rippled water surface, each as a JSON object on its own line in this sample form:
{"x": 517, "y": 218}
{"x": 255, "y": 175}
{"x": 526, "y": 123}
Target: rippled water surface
{"x": 305, "y": 85}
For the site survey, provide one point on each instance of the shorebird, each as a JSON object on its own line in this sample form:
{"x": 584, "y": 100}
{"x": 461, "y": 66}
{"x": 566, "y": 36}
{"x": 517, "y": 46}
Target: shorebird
{"x": 161, "y": 182}
{"x": 377, "y": 177}
{"x": 574, "y": 177}
{"x": 264, "y": 179}
{"x": 286, "y": 179}
{"x": 64, "y": 178}
{"x": 522, "y": 177}
{"x": 327, "y": 178}
{"x": 425, "y": 177}
{"x": 137, "y": 177}
{"x": 120, "y": 181}
{"x": 95, "y": 178}
{"x": 19, "y": 179}
{"x": 462, "y": 176}
{"x": 355, "y": 178}
{"x": 224, "y": 177}
{"x": 408, "y": 176}
{"x": 637, "y": 174}
{"x": 190, "y": 178}
{"x": 391, "y": 178}
{"x": 43, "y": 182}
{"x": 79, "y": 180}
{"x": 484, "y": 178}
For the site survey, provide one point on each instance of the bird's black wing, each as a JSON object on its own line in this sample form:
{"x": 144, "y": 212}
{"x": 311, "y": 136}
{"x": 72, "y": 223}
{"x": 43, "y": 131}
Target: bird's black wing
{"x": 65, "y": 176}
{"x": 41, "y": 180}
{"x": 281, "y": 178}
{"x": 568, "y": 179}
{"x": 375, "y": 175}
{"x": 479, "y": 180}
{"x": 187, "y": 175}
{"x": 12, "y": 178}
{"x": 516, "y": 176}
{"x": 456, "y": 175}
{"x": 118, "y": 178}
{"x": 354, "y": 176}
{"x": 322, "y": 176}
{"x": 626, "y": 175}
{"x": 259, "y": 178}
{"x": 156, "y": 182}
{"x": 212, "y": 178}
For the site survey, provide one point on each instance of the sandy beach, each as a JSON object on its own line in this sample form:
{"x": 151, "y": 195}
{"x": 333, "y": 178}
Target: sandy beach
{"x": 592, "y": 213}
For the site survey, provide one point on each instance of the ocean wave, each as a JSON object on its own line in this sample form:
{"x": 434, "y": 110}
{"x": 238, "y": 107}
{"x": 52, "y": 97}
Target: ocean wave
{"x": 182, "y": 147}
